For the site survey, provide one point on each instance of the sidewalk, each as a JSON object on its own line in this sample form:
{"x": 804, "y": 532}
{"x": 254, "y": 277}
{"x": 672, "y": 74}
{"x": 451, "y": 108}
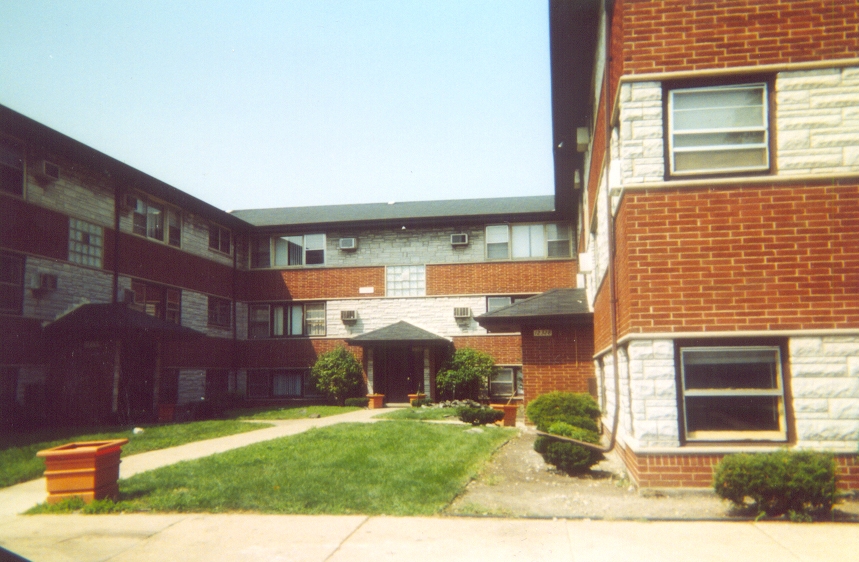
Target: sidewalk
{"x": 21, "y": 497}
{"x": 249, "y": 538}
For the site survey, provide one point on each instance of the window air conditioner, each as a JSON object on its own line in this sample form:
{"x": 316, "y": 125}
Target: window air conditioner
{"x": 47, "y": 170}
{"x": 348, "y": 243}
{"x": 458, "y": 239}
{"x": 348, "y": 315}
{"x": 42, "y": 282}
{"x": 462, "y": 312}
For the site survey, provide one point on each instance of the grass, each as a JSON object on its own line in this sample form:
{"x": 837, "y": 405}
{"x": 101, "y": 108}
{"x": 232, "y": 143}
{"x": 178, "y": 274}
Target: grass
{"x": 394, "y": 468}
{"x": 18, "y": 461}
{"x": 421, "y": 414}
{"x": 290, "y": 413}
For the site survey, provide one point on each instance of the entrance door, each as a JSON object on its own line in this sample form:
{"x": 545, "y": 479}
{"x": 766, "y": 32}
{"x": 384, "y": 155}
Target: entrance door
{"x": 400, "y": 372}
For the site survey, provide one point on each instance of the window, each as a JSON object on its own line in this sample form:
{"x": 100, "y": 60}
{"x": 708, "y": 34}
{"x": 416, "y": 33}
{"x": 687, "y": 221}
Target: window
{"x": 161, "y": 302}
{"x": 219, "y": 312}
{"x": 149, "y": 220}
{"x": 506, "y": 381}
{"x": 494, "y": 303}
{"x": 279, "y": 251}
{"x": 11, "y": 168}
{"x": 732, "y": 393}
{"x": 86, "y": 242}
{"x": 220, "y": 239}
{"x": 718, "y": 129}
{"x": 278, "y": 383}
{"x": 528, "y": 241}
{"x": 11, "y": 283}
{"x": 406, "y": 281}
{"x": 284, "y": 320}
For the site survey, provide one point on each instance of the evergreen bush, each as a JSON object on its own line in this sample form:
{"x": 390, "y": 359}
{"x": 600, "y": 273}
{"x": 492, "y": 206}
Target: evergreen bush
{"x": 358, "y": 402}
{"x": 569, "y": 457}
{"x": 338, "y": 375}
{"x": 794, "y": 482}
{"x": 464, "y": 375}
{"x": 576, "y": 409}
{"x": 479, "y": 416}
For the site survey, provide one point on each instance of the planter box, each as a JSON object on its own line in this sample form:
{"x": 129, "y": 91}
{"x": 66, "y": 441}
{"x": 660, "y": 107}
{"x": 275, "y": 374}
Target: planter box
{"x": 87, "y": 469}
{"x": 510, "y": 411}
{"x": 376, "y": 401}
{"x": 166, "y": 413}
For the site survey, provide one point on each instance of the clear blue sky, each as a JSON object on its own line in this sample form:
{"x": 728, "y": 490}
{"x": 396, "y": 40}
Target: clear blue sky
{"x": 250, "y": 104}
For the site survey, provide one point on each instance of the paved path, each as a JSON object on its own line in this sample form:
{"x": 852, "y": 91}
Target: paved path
{"x": 358, "y": 538}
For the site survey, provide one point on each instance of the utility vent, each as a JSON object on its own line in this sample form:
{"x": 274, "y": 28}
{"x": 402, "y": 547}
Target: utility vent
{"x": 126, "y": 296}
{"x": 459, "y": 239}
{"x": 43, "y": 282}
{"x": 47, "y": 170}
{"x": 348, "y": 243}
{"x": 348, "y": 315}
{"x": 462, "y": 312}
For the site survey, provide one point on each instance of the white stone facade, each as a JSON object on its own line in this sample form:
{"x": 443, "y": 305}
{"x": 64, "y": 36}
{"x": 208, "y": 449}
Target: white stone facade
{"x": 642, "y": 157}
{"x": 76, "y": 285}
{"x": 653, "y": 393}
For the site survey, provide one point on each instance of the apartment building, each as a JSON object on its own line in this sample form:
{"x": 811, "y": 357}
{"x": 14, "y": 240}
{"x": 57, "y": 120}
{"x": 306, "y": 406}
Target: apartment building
{"x": 720, "y": 223}
{"x": 122, "y": 295}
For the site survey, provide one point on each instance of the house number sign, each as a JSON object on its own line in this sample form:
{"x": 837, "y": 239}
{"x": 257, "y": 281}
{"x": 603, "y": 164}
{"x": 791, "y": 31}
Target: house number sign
{"x": 542, "y": 333}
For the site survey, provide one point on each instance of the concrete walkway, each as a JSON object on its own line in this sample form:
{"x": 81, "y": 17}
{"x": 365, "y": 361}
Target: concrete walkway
{"x": 247, "y": 537}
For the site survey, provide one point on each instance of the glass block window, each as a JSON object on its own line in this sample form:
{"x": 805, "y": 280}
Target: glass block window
{"x": 406, "y": 281}
{"x": 86, "y": 243}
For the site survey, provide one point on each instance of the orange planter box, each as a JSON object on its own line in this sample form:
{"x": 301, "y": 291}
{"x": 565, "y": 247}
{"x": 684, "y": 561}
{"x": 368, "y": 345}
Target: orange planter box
{"x": 376, "y": 401}
{"x": 87, "y": 469}
{"x": 509, "y": 410}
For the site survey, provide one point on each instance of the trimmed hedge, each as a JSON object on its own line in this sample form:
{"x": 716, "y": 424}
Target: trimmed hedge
{"x": 794, "y": 482}
{"x": 479, "y": 416}
{"x": 360, "y": 402}
{"x": 580, "y": 410}
{"x": 569, "y": 457}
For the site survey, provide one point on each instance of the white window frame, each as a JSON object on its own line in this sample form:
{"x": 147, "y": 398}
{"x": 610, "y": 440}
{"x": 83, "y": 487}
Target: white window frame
{"x": 86, "y": 243}
{"x": 762, "y": 128}
{"x": 159, "y": 221}
{"x": 512, "y": 377}
{"x": 219, "y": 238}
{"x": 539, "y": 243}
{"x": 288, "y": 320}
{"x": 723, "y": 355}
{"x": 305, "y": 247}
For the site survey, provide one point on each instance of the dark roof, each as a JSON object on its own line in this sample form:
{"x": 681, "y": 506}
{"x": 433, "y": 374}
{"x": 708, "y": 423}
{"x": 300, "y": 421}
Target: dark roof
{"x": 43, "y": 138}
{"x": 555, "y": 305}
{"x": 535, "y": 207}
{"x": 401, "y": 332}
{"x": 113, "y": 320}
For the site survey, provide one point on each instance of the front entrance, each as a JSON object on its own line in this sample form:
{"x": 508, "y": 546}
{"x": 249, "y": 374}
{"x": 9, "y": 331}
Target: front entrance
{"x": 398, "y": 372}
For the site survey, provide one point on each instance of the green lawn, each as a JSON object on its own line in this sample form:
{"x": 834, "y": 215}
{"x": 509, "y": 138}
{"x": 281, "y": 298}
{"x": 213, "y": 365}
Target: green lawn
{"x": 18, "y": 461}
{"x": 396, "y": 468}
{"x": 421, "y": 414}
{"x": 289, "y": 413}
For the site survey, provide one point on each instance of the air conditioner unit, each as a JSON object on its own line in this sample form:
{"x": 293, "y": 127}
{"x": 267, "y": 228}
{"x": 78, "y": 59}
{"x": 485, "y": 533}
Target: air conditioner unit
{"x": 47, "y": 170}
{"x": 126, "y": 296}
{"x": 348, "y": 315}
{"x": 42, "y": 282}
{"x": 459, "y": 239}
{"x": 348, "y": 243}
{"x": 462, "y": 312}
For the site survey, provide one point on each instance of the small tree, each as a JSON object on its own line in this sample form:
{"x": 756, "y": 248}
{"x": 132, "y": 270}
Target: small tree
{"x": 464, "y": 374}
{"x": 337, "y": 374}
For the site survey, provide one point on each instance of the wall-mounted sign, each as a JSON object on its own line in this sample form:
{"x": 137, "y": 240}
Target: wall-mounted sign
{"x": 542, "y": 333}
{"x": 366, "y": 290}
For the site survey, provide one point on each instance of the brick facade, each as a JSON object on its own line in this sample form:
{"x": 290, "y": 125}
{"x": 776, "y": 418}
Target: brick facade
{"x": 500, "y": 277}
{"x": 504, "y": 349}
{"x": 310, "y": 283}
{"x": 561, "y": 361}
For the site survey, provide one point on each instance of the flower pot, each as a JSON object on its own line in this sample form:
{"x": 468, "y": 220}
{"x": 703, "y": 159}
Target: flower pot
{"x": 510, "y": 411}
{"x": 166, "y": 412}
{"x": 87, "y": 469}
{"x": 376, "y": 401}
{"x": 416, "y": 396}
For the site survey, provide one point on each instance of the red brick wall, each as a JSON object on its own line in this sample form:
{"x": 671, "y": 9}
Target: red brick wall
{"x": 500, "y": 277}
{"x": 331, "y": 283}
{"x": 505, "y": 350}
{"x": 288, "y": 353}
{"x": 751, "y": 258}
{"x": 200, "y": 353}
{"x": 696, "y": 470}
{"x": 563, "y": 361}
{"x": 32, "y": 229}
{"x": 683, "y": 35}
{"x": 602, "y": 318}
{"x": 597, "y": 159}
{"x": 138, "y": 257}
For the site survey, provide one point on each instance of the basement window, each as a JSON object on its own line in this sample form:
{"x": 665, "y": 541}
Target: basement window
{"x": 732, "y": 394}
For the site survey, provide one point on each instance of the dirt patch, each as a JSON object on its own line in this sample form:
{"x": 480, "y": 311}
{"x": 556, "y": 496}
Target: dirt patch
{"x": 518, "y": 483}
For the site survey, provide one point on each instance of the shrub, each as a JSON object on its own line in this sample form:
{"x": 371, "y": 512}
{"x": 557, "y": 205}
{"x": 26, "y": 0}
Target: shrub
{"x": 780, "y": 482}
{"x": 479, "y": 416}
{"x": 421, "y": 402}
{"x": 358, "y": 402}
{"x": 464, "y": 374}
{"x": 579, "y": 410}
{"x": 337, "y": 374}
{"x": 569, "y": 457}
